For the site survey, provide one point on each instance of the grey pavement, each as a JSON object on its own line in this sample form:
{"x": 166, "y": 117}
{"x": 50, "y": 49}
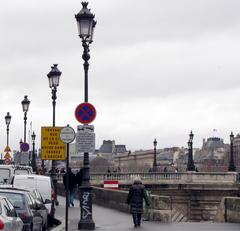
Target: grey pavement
{"x": 109, "y": 219}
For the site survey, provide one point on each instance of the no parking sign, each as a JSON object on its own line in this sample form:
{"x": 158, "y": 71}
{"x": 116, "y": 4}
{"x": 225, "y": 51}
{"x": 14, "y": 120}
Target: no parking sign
{"x": 85, "y": 113}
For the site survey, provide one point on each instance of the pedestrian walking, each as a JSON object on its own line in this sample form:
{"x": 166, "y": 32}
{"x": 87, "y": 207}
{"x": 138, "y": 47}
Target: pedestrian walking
{"x": 136, "y": 194}
{"x": 71, "y": 186}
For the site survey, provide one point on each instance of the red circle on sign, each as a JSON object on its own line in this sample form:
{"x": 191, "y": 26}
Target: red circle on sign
{"x": 7, "y": 161}
{"x": 85, "y": 113}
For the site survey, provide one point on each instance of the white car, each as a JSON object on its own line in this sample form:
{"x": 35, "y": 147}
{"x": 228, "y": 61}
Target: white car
{"x": 9, "y": 221}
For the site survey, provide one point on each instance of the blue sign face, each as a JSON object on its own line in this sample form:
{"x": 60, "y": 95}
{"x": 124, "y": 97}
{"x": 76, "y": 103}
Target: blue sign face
{"x": 85, "y": 113}
{"x": 24, "y": 147}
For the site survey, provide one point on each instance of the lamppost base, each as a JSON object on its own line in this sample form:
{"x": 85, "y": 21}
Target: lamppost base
{"x": 86, "y": 224}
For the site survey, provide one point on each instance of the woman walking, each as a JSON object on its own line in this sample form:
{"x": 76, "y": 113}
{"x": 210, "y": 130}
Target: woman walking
{"x": 135, "y": 199}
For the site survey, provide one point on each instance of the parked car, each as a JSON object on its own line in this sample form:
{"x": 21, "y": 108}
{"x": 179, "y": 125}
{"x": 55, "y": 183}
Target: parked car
{"x": 37, "y": 202}
{"x": 9, "y": 220}
{"x": 25, "y": 207}
{"x": 7, "y": 172}
{"x": 42, "y": 183}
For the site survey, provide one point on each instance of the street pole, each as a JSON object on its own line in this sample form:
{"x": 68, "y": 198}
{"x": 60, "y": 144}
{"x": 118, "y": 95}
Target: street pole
{"x": 231, "y": 167}
{"x": 34, "y": 166}
{"x": 190, "y": 165}
{"x": 155, "y": 156}
{"x": 86, "y": 24}
{"x": 54, "y": 77}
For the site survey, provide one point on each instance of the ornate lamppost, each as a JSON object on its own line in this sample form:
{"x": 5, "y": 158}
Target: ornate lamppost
{"x": 155, "y": 156}
{"x": 54, "y": 78}
{"x": 34, "y": 165}
{"x": 231, "y": 166}
{"x": 190, "y": 164}
{"x": 86, "y": 25}
{"x": 25, "y": 106}
{"x": 8, "y": 120}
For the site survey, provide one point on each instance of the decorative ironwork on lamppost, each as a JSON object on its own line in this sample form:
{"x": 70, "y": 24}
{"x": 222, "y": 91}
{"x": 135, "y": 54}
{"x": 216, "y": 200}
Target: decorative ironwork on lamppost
{"x": 8, "y": 120}
{"x": 155, "y": 156}
{"x": 34, "y": 165}
{"x": 190, "y": 164}
{"x": 25, "y": 106}
{"x": 54, "y": 78}
{"x": 231, "y": 167}
{"x": 86, "y": 25}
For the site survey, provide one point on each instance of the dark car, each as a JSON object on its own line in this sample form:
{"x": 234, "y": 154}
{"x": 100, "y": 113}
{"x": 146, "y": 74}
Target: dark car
{"x": 38, "y": 203}
{"x": 25, "y": 207}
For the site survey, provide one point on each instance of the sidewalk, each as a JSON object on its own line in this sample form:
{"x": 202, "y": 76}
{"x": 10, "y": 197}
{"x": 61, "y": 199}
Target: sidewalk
{"x": 108, "y": 220}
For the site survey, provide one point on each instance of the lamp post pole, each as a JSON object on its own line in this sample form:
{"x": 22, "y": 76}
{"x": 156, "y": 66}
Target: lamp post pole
{"x": 54, "y": 78}
{"x": 8, "y": 120}
{"x": 190, "y": 164}
{"x": 155, "y": 156}
{"x": 231, "y": 167}
{"x": 34, "y": 166}
{"x": 25, "y": 106}
{"x": 86, "y": 25}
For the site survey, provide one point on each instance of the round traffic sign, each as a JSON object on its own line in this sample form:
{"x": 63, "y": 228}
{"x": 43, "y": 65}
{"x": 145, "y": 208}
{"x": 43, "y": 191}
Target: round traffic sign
{"x": 67, "y": 135}
{"x": 85, "y": 113}
{"x": 7, "y": 161}
{"x": 24, "y": 147}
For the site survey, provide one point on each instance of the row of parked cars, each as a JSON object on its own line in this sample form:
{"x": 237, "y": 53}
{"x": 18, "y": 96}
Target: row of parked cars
{"x": 26, "y": 199}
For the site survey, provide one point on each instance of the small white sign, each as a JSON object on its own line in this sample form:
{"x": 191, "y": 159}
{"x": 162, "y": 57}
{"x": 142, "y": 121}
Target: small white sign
{"x": 85, "y": 139}
{"x": 67, "y": 135}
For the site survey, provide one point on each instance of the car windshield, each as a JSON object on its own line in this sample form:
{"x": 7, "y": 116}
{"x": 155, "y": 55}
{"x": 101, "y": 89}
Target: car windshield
{"x": 16, "y": 199}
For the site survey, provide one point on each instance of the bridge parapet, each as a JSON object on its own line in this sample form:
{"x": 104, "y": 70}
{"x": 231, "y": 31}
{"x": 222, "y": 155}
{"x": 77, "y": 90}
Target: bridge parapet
{"x": 174, "y": 178}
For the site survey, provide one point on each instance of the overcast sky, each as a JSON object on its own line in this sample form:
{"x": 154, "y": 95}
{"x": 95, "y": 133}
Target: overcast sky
{"x": 158, "y": 69}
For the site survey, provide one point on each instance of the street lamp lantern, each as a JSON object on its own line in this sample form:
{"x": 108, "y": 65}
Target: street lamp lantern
{"x": 85, "y": 23}
{"x": 191, "y": 136}
{"x": 25, "y": 104}
{"x": 8, "y": 119}
{"x": 231, "y": 166}
{"x": 33, "y": 136}
{"x": 54, "y": 76}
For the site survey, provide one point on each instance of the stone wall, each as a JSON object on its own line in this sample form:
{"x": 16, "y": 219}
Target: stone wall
{"x": 160, "y": 209}
{"x": 229, "y": 210}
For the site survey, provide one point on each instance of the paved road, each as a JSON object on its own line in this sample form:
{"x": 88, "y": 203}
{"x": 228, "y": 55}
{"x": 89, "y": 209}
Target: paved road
{"x": 108, "y": 220}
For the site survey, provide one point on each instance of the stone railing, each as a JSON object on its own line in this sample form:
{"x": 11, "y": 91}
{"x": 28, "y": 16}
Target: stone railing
{"x": 178, "y": 178}
{"x": 165, "y": 178}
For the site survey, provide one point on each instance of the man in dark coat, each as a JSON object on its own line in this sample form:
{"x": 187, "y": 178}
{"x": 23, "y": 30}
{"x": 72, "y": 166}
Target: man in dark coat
{"x": 79, "y": 181}
{"x": 135, "y": 199}
{"x": 71, "y": 185}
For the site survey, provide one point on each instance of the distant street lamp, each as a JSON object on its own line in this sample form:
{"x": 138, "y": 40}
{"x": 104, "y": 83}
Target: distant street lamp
{"x": 54, "y": 78}
{"x": 155, "y": 156}
{"x": 86, "y": 25}
{"x": 25, "y": 106}
{"x": 190, "y": 164}
{"x": 8, "y": 120}
{"x": 34, "y": 165}
{"x": 231, "y": 167}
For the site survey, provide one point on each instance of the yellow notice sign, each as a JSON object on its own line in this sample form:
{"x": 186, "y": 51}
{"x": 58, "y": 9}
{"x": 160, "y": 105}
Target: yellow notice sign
{"x": 52, "y": 147}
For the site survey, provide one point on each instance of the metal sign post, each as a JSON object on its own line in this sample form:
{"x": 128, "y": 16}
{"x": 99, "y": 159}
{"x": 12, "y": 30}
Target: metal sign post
{"x": 67, "y": 135}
